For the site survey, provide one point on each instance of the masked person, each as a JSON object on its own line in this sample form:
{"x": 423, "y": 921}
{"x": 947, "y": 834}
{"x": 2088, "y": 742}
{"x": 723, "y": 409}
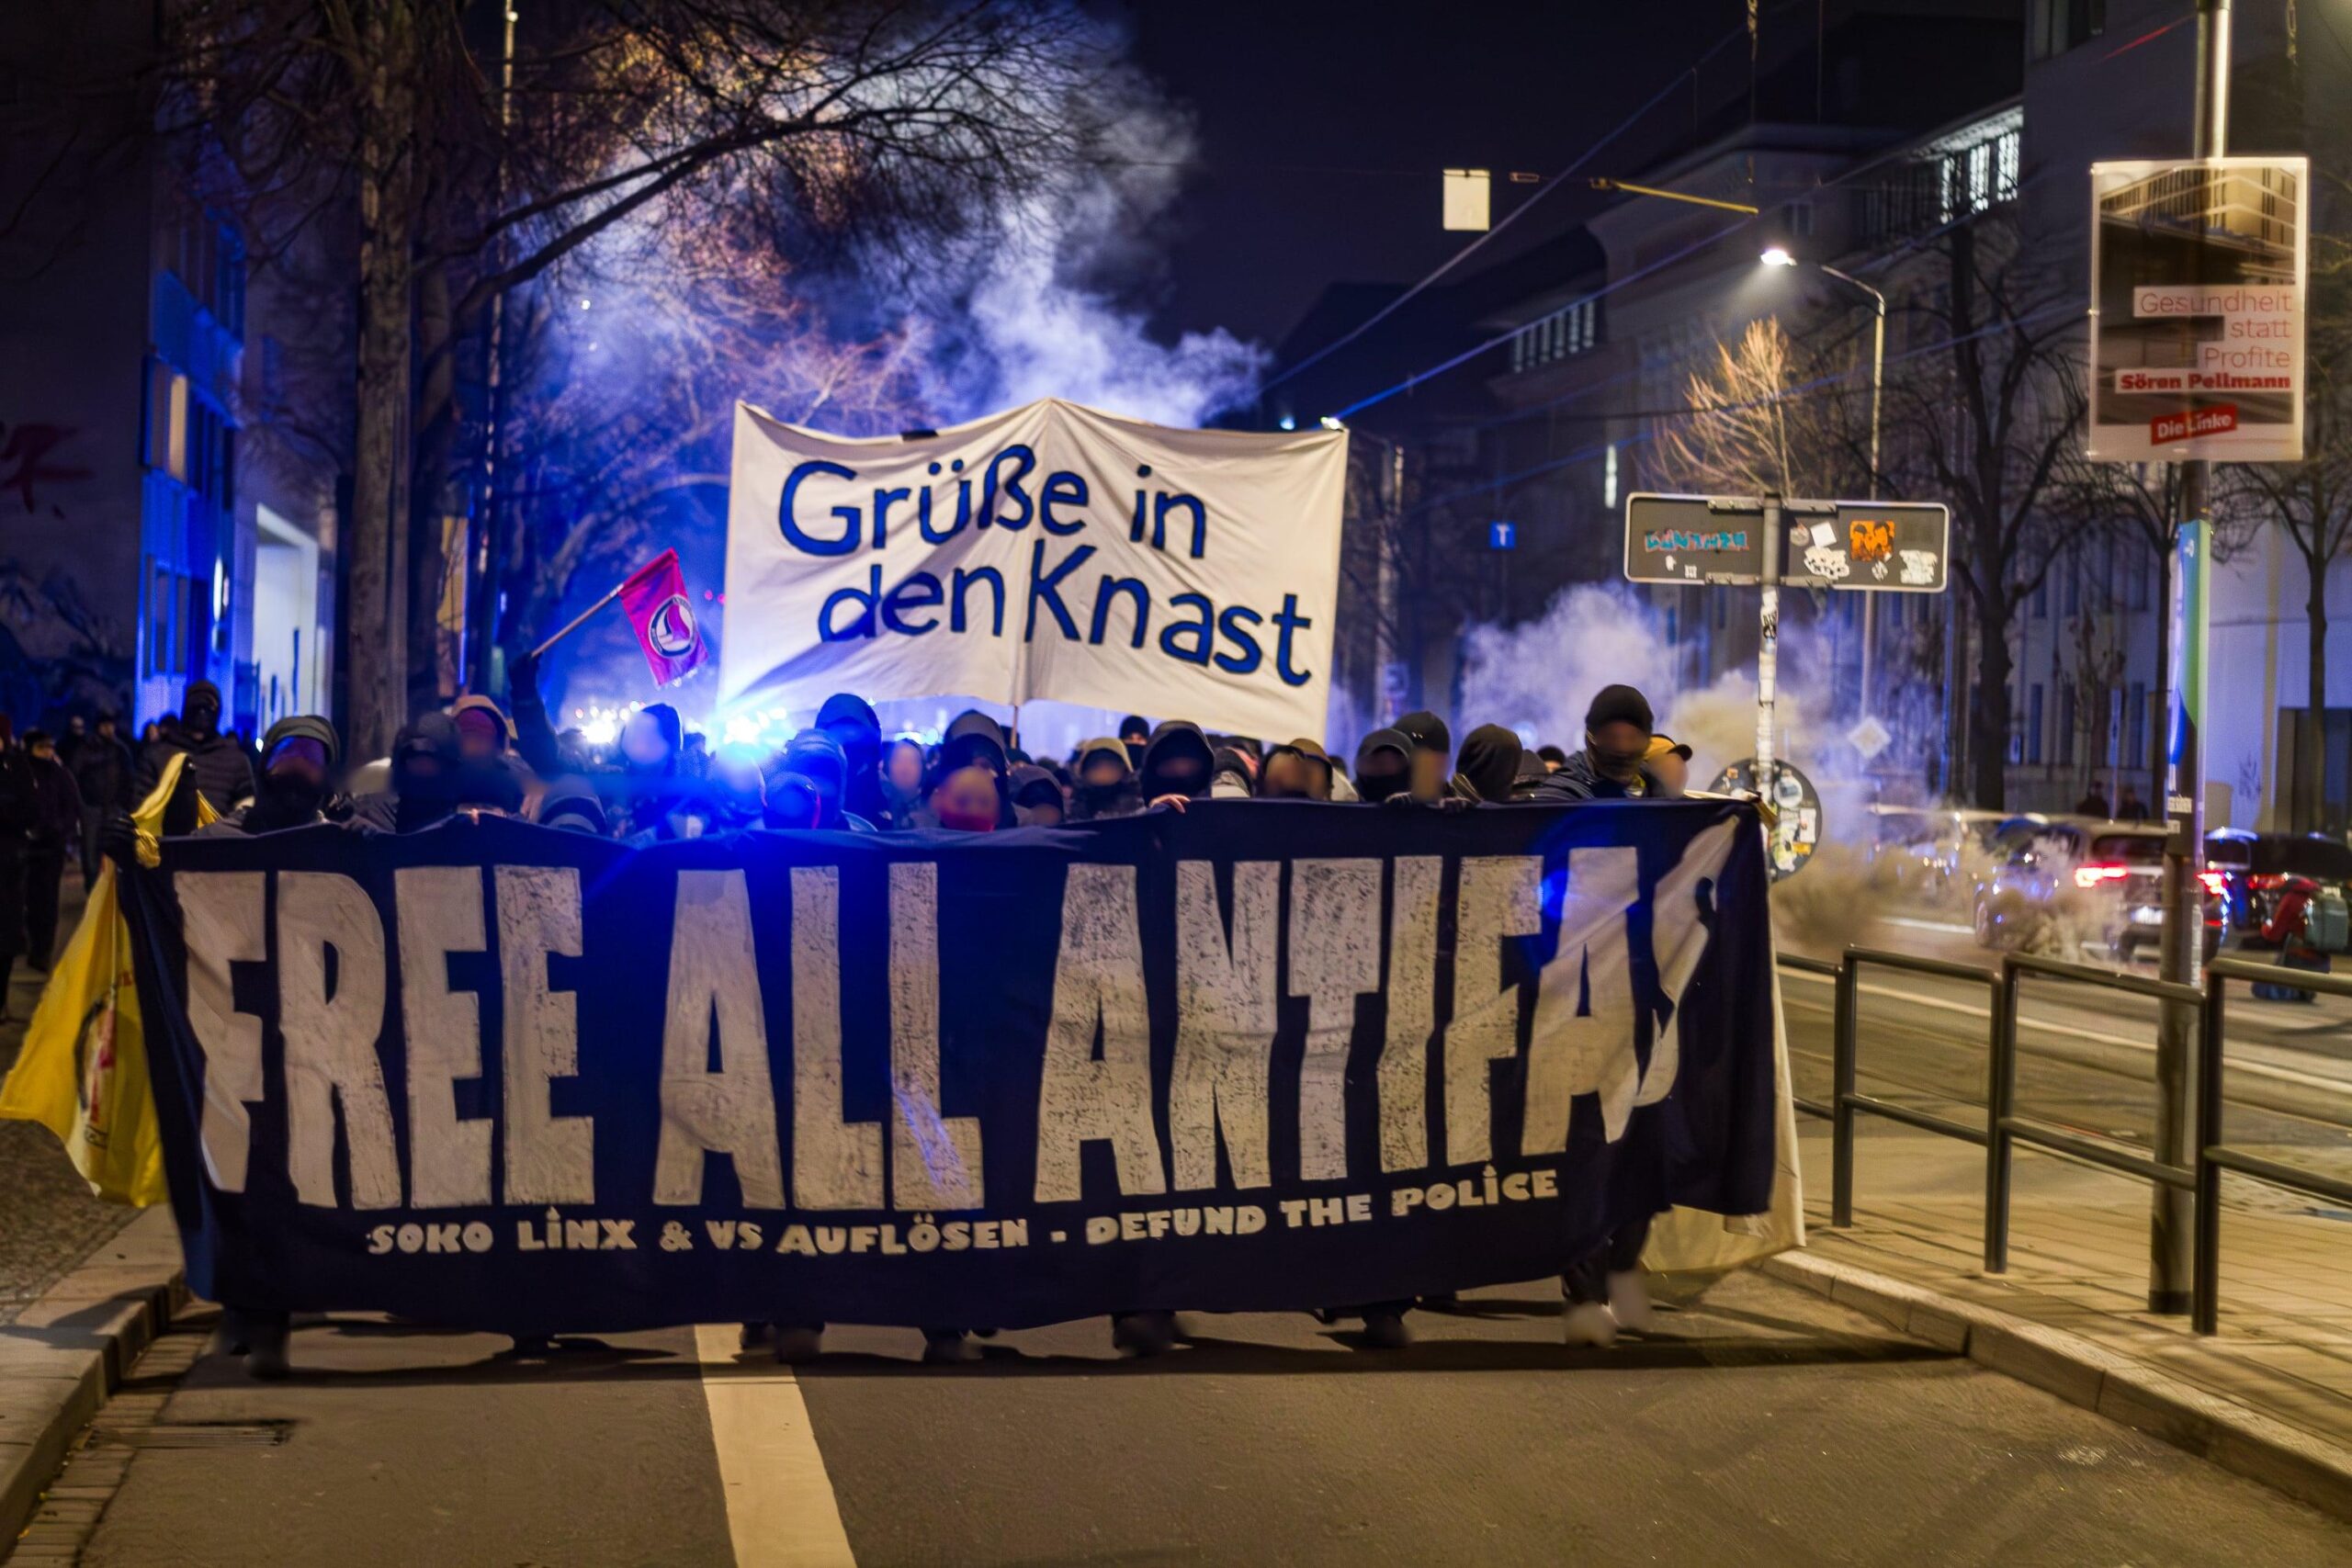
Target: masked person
{"x": 1385, "y": 767}
{"x": 1616, "y": 740}
{"x": 965, "y": 796}
{"x": 1105, "y": 782}
{"x": 486, "y": 739}
{"x": 850, "y": 720}
{"x": 1298, "y": 771}
{"x": 426, "y": 780}
{"x": 1489, "y": 763}
{"x": 222, "y": 772}
{"x": 901, "y": 783}
{"x": 1177, "y": 765}
{"x": 1135, "y": 734}
{"x": 1037, "y": 800}
{"x": 817, "y": 757}
{"x": 655, "y": 797}
{"x": 300, "y": 759}
{"x": 1432, "y": 753}
{"x": 738, "y": 792}
{"x": 1668, "y": 761}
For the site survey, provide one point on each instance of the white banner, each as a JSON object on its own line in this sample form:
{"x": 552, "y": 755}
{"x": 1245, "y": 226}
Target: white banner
{"x": 1050, "y": 551}
{"x": 2197, "y": 309}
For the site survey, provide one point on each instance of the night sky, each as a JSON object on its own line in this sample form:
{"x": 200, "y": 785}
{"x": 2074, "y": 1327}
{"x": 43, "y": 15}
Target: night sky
{"x": 1392, "y": 93}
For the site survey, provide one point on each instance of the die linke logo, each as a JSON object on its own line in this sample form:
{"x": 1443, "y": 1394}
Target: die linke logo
{"x": 671, "y": 627}
{"x": 2213, "y": 421}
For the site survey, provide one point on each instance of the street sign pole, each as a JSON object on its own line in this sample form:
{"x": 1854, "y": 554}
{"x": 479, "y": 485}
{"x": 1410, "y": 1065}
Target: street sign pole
{"x": 1768, "y": 647}
{"x": 2183, "y": 942}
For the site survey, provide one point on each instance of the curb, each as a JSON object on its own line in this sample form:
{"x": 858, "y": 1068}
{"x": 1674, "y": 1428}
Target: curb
{"x": 71, "y": 1349}
{"x": 2306, "y": 1467}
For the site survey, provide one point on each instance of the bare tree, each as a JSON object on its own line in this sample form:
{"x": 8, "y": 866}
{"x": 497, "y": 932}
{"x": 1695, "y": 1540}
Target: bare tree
{"x": 1767, "y": 416}
{"x": 845, "y": 123}
{"x": 1983, "y": 421}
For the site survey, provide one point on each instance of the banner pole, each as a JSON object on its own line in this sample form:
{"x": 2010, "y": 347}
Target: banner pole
{"x": 581, "y": 619}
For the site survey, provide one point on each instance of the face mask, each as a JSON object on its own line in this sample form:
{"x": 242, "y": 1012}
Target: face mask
{"x": 967, "y": 822}
{"x": 1618, "y": 765}
{"x": 1378, "y": 787}
{"x": 285, "y": 800}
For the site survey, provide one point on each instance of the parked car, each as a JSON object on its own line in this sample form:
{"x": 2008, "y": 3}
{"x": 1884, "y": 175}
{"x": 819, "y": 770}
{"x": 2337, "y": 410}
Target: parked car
{"x": 2274, "y": 880}
{"x": 2106, "y": 877}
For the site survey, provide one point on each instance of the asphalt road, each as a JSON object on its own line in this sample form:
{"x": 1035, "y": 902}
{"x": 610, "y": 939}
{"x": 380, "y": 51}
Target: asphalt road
{"x": 1760, "y": 1424}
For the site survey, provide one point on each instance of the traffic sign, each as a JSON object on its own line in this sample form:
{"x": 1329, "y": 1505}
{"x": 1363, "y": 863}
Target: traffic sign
{"x": 1901, "y": 547}
{"x": 1502, "y": 536}
{"x": 1694, "y": 539}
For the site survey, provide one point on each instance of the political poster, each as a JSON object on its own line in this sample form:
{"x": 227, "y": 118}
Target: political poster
{"x": 1049, "y": 551}
{"x": 1256, "y": 1056}
{"x": 2197, "y": 284}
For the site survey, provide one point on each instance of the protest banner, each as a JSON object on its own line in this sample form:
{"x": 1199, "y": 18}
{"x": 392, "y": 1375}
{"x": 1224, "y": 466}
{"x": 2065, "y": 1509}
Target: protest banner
{"x": 1250, "y": 1057}
{"x": 1049, "y": 551}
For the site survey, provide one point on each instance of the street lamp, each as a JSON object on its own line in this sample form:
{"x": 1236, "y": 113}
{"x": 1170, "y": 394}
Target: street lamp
{"x": 1778, "y": 255}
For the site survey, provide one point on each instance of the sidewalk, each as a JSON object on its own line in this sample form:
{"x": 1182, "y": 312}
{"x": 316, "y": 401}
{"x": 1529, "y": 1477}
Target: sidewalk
{"x": 2078, "y": 1262}
{"x": 49, "y": 1221}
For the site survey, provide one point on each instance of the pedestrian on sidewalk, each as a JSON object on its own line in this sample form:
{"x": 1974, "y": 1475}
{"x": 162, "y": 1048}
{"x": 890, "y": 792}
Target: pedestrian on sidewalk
{"x": 102, "y": 770}
{"x": 57, "y": 824}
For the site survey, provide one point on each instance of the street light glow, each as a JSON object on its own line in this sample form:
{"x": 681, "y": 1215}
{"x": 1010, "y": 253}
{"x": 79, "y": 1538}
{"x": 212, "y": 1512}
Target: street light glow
{"x": 1778, "y": 256}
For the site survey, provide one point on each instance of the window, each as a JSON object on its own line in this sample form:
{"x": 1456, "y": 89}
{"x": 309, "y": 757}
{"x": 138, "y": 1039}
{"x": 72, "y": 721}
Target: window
{"x": 2138, "y": 751}
{"x": 2039, "y": 604}
{"x": 2054, "y": 26}
{"x": 2073, "y": 583}
{"x": 1572, "y": 329}
{"x": 1609, "y": 477}
{"x": 159, "y": 616}
{"x": 2066, "y": 724}
{"x": 2033, "y": 724}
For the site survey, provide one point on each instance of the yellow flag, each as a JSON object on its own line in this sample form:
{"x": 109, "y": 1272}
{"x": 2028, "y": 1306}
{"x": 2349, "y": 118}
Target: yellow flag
{"x": 83, "y": 1071}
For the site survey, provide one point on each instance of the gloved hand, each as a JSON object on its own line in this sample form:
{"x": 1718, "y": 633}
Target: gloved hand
{"x": 522, "y": 675}
{"x": 119, "y": 839}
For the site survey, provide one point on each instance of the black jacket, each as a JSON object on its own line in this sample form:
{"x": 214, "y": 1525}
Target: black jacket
{"x": 222, "y": 772}
{"x": 102, "y": 771}
{"x": 1577, "y": 779}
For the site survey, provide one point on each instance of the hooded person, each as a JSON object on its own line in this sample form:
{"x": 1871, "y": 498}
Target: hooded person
{"x": 1105, "y": 782}
{"x": 571, "y": 803}
{"x": 737, "y": 789}
{"x": 973, "y": 733}
{"x": 1488, "y": 764}
{"x": 486, "y": 738}
{"x": 1385, "y": 766}
{"x": 1617, "y": 729}
{"x": 1178, "y": 766}
{"x": 1532, "y": 772}
{"x": 1432, "y": 752}
{"x": 850, "y": 719}
{"x": 1037, "y": 799}
{"x": 965, "y": 794}
{"x": 302, "y": 763}
{"x": 427, "y": 784}
{"x": 1300, "y": 769}
{"x": 653, "y": 790}
{"x": 1135, "y": 734}
{"x": 816, "y": 756}
{"x": 1231, "y": 777}
{"x": 218, "y": 765}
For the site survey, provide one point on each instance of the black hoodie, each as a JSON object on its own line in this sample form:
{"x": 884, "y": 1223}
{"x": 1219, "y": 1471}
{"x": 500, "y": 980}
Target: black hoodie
{"x": 1489, "y": 762}
{"x": 850, "y": 720}
{"x": 1177, "y": 761}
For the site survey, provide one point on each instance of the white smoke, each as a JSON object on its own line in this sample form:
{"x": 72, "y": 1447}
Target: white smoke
{"x": 1038, "y": 321}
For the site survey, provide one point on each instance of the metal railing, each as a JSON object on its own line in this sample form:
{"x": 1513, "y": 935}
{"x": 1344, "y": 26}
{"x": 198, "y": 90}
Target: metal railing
{"x": 1845, "y": 1100}
{"x": 2214, "y": 1157}
{"x": 1828, "y": 970}
{"x": 2010, "y": 1129}
{"x": 2005, "y": 1127}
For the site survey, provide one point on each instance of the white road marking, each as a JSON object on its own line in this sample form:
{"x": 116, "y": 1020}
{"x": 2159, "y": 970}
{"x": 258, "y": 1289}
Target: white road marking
{"x": 781, "y": 1512}
{"x": 1949, "y": 928}
{"x": 2252, "y": 1069}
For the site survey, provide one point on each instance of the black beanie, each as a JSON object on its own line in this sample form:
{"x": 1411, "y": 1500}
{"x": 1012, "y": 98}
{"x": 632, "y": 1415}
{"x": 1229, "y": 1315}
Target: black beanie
{"x": 1619, "y": 705}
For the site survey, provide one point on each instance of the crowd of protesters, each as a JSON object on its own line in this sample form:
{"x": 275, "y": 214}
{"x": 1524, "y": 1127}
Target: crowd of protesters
{"x": 660, "y": 782}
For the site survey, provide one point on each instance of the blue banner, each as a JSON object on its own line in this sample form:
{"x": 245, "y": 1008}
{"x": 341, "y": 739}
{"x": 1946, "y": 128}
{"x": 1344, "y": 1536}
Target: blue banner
{"x": 1256, "y": 1055}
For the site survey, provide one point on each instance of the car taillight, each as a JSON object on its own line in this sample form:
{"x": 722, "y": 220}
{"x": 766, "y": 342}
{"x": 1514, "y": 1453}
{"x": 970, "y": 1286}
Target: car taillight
{"x": 2215, "y": 882}
{"x": 2267, "y": 882}
{"x": 2099, "y": 874}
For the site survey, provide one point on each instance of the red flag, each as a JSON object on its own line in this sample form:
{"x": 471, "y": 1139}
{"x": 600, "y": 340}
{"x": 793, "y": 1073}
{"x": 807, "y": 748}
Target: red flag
{"x": 655, "y": 600}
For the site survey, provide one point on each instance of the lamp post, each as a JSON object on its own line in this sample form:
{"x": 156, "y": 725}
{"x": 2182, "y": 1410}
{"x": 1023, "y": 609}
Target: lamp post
{"x": 1778, "y": 255}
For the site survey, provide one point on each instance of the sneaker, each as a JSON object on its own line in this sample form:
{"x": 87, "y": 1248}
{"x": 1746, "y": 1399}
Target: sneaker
{"x": 1629, "y": 1302}
{"x": 950, "y": 1349}
{"x": 1143, "y": 1333}
{"x": 752, "y": 1335}
{"x": 1587, "y": 1322}
{"x": 1387, "y": 1331}
{"x": 797, "y": 1346}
